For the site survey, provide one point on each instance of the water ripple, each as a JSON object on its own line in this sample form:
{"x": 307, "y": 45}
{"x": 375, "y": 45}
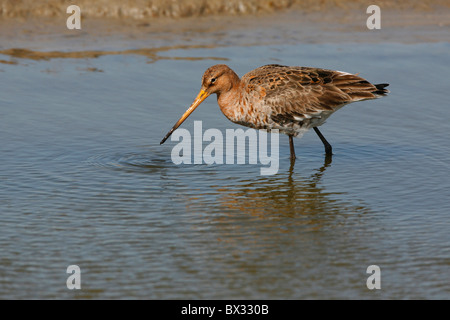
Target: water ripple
{"x": 143, "y": 160}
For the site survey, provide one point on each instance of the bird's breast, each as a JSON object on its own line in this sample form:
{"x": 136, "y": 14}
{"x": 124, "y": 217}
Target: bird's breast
{"x": 244, "y": 106}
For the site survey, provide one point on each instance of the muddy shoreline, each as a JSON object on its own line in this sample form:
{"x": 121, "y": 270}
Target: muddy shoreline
{"x": 46, "y": 36}
{"x": 145, "y": 9}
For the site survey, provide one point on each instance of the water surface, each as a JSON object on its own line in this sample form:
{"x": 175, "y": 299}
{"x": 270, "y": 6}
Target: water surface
{"x": 84, "y": 181}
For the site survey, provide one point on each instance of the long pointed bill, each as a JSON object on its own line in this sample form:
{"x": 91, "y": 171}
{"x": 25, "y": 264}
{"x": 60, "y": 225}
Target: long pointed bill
{"x": 200, "y": 97}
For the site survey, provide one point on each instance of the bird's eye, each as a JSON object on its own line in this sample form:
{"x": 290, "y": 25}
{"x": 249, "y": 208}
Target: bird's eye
{"x": 213, "y": 80}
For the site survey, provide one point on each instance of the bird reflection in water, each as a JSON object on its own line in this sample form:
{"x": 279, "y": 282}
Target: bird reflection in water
{"x": 281, "y": 195}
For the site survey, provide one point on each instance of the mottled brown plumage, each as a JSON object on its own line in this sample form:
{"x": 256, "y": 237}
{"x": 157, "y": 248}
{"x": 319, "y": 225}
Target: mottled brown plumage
{"x": 290, "y": 99}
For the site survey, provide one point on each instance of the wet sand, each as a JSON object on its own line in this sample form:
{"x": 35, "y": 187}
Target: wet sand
{"x": 36, "y": 32}
{"x": 144, "y": 9}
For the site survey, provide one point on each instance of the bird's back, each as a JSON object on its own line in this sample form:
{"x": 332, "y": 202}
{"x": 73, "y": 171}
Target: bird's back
{"x": 303, "y": 97}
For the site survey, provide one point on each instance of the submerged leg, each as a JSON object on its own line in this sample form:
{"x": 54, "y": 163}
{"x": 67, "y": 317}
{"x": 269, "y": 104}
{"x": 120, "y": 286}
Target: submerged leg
{"x": 328, "y": 148}
{"x": 291, "y": 146}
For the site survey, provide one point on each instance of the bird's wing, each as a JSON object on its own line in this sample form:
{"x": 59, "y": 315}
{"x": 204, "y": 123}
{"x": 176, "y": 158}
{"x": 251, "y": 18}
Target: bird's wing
{"x": 299, "y": 93}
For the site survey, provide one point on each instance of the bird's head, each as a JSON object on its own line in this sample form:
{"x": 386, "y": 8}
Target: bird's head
{"x": 216, "y": 79}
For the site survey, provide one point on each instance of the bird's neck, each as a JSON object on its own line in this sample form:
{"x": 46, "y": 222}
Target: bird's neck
{"x": 230, "y": 103}
{"x": 230, "y": 98}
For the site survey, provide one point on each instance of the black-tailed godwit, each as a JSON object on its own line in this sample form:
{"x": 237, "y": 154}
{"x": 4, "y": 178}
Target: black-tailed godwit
{"x": 290, "y": 99}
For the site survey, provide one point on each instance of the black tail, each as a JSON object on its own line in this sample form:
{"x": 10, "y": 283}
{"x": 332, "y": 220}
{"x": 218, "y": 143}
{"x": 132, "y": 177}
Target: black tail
{"x": 381, "y": 88}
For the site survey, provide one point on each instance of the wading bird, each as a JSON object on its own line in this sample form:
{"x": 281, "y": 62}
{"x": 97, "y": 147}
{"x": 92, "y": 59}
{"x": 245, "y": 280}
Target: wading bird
{"x": 290, "y": 99}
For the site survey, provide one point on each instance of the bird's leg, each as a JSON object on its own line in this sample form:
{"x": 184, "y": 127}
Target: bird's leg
{"x": 328, "y": 148}
{"x": 291, "y": 146}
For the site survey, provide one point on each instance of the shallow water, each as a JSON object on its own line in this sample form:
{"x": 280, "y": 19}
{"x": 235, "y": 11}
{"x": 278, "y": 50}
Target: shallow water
{"x": 85, "y": 182}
